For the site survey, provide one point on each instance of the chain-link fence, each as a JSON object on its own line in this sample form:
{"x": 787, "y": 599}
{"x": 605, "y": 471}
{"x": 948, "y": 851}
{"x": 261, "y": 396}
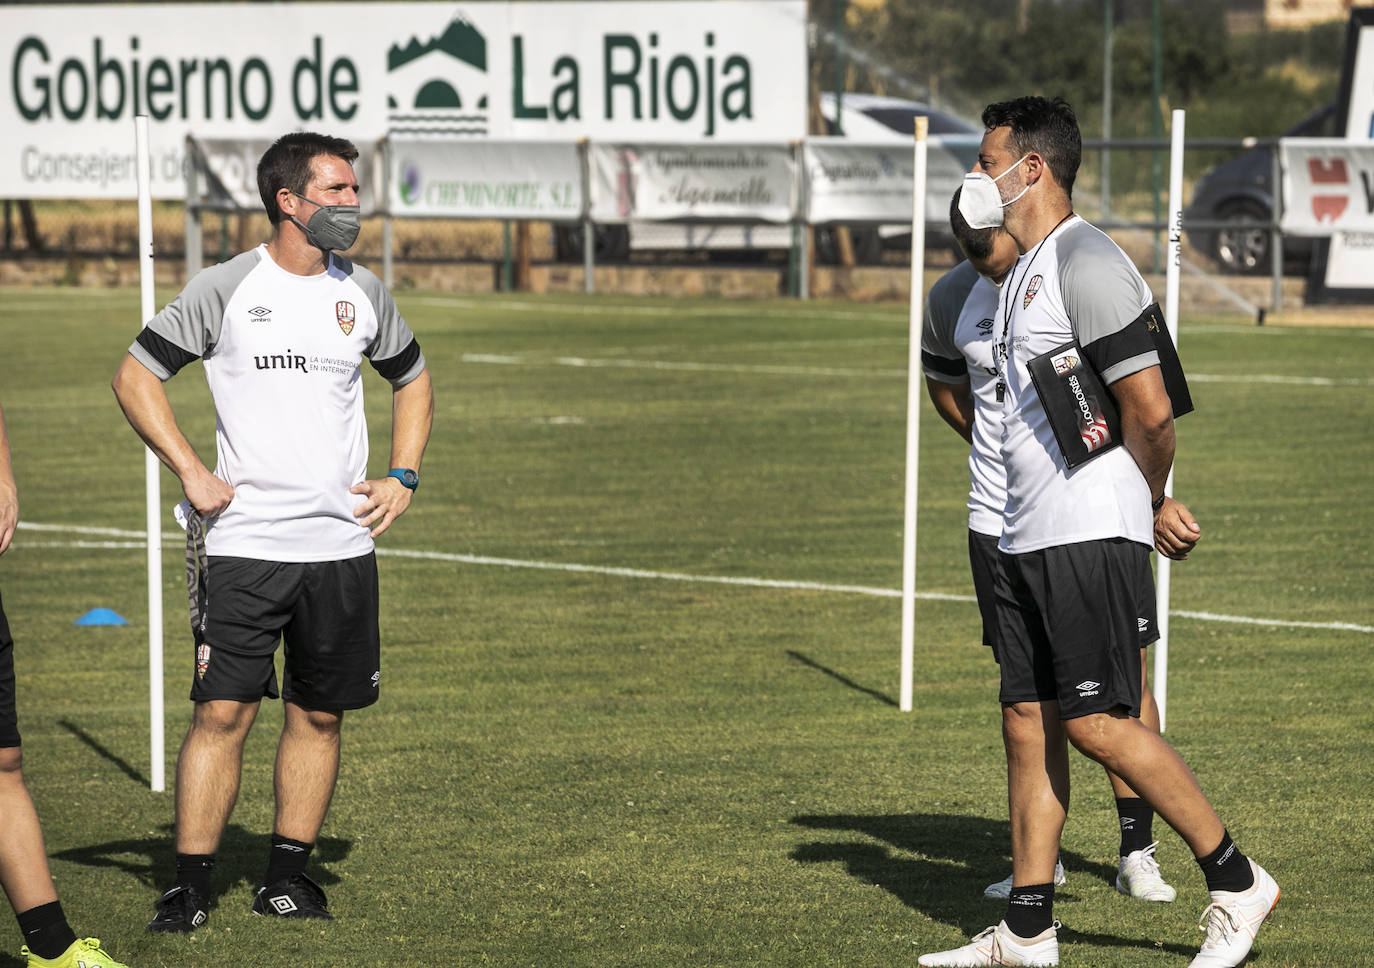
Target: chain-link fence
{"x": 95, "y": 242}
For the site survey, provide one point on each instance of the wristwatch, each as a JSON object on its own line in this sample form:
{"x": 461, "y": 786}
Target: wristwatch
{"x": 406, "y": 476}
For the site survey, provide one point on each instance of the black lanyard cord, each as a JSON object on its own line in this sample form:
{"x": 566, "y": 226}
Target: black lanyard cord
{"x": 1000, "y": 350}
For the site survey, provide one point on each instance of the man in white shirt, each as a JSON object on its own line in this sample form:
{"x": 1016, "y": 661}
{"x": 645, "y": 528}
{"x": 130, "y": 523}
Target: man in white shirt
{"x": 288, "y": 515}
{"x": 1075, "y": 543}
{"x": 961, "y": 378}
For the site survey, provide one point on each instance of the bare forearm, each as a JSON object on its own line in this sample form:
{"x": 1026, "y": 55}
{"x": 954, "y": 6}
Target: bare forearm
{"x": 1152, "y": 446}
{"x": 144, "y": 403}
{"x": 412, "y": 416}
{"x": 1147, "y": 425}
{"x": 145, "y": 406}
{"x": 9, "y": 492}
{"x": 954, "y": 403}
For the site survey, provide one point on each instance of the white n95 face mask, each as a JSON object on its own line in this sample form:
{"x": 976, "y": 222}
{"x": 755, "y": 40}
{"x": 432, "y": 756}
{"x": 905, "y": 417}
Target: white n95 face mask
{"x": 980, "y": 203}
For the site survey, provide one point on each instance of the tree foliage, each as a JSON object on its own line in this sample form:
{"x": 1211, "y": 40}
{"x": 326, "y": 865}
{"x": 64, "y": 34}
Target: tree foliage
{"x": 963, "y": 54}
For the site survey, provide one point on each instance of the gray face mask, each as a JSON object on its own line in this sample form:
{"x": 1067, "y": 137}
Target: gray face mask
{"x": 332, "y": 227}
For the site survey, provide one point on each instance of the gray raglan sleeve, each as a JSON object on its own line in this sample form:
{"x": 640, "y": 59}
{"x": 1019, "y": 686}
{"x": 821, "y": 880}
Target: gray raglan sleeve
{"x": 1105, "y": 298}
{"x": 395, "y": 353}
{"x": 941, "y": 358}
{"x": 189, "y": 326}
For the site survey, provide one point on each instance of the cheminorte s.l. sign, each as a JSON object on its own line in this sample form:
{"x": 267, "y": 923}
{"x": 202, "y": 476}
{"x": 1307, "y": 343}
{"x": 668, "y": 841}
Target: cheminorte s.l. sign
{"x": 673, "y": 70}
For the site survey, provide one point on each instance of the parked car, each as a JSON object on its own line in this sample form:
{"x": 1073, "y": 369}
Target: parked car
{"x": 873, "y": 118}
{"x": 1242, "y": 190}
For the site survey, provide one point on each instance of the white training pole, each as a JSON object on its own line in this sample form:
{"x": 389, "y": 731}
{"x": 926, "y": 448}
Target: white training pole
{"x": 157, "y": 773}
{"x": 1171, "y": 279}
{"x": 913, "y": 414}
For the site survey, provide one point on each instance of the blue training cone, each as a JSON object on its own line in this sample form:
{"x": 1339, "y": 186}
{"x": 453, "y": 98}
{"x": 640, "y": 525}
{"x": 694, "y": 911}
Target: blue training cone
{"x": 101, "y": 616}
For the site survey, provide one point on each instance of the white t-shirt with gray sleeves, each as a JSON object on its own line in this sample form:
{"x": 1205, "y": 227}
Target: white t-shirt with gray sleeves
{"x": 282, "y": 356}
{"x": 1076, "y": 285}
{"x": 956, "y": 347}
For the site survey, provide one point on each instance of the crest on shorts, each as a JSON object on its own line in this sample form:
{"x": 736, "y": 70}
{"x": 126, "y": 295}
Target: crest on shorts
{"x": 202, "y": 660}
{"x": 343, "y": 309}
{"x": 1032, "y": 288}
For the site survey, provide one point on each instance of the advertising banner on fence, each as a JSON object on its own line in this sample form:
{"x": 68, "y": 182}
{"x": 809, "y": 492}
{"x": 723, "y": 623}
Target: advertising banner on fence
{"x": 485, "y": 179}
{"x": 1328, "y": 186}
{"x": 76, "y": 75}
{"x": 665, "y": 182}
{"x": 850, "y": 182}
{"x": 227, "y": 174}
{"x": 1349, "y": 257}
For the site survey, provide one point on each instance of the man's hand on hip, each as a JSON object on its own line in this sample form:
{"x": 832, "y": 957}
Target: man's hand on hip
{"x": 207, "y": 493}
{"x": 387, "y": 500}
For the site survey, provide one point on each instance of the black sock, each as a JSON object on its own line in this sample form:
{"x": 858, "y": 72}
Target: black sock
{"x": 286, "y": 858}
{"x": 1137, "y": 824}
{"x": 1226, "y": 868}
{"x": 46, "y": 930}
{"x": 194, "y": 870}
{"x": 1030, "y": 909}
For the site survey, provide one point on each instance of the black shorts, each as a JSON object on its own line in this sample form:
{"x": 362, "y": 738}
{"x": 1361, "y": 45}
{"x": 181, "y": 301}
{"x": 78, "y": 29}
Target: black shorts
{"x": 325, "y": 612}
{"x": 985, "y": 561}
{"x": 9, "y": 716}
{"x": 1070, "y": 625}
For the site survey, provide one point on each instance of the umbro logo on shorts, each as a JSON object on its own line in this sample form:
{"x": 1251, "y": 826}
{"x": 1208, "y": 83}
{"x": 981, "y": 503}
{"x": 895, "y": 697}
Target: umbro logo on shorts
{"x": 1087, "y": 688}
{"x": 282, "y": 904}
{"x": 1142, "y": 624}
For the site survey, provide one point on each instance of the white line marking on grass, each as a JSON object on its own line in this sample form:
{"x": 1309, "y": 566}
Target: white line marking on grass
{"x": 670, "y": 312}
{"x": 1243, "y": 620}
{"x": 83, "y": 544}
{"x": 626, "y": 364}
{"x": 781, "y": 370}
{"x": 1276, "y": 379}
{"x": 176, "y": 537}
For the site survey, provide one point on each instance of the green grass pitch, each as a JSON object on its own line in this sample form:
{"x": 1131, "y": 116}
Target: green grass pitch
{"x": 601, "y": 766}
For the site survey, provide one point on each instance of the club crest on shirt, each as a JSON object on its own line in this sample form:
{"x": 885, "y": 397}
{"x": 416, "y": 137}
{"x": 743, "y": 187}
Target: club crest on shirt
{"x": 343, "y": 309}
{"x": 1032, "y": 288}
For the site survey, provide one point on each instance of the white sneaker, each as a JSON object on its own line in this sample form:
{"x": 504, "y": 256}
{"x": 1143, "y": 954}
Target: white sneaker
{"x": 1002, "y": 889}
{"x": 998, "y": 946}
{"x": 1138, "y": 876}
{"x": 1233, "y": 919}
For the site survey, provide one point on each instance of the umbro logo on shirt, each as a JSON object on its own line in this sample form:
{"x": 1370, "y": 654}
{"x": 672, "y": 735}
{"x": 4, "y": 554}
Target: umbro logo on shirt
{"x": 1141, "y": 624}
{"x": 260, "y": 314}
{"x": 1088, "y": 688}
{"x": 985, "y": 326}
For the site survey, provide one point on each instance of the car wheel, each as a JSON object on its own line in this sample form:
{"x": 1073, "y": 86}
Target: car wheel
{"x": 1242, "y": 249}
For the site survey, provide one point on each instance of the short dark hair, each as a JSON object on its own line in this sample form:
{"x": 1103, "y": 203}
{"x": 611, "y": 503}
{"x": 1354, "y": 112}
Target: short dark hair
{"x": 976, "y": 243}
{"x": 1045, "y": 127}
{"x": 287, "y": 164}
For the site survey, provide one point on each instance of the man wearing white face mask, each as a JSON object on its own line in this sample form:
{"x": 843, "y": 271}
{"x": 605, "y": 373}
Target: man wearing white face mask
{"x": 1075, "y": 544}
{"x": 956, "y": 355}
{"x": 280, "y": 535}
